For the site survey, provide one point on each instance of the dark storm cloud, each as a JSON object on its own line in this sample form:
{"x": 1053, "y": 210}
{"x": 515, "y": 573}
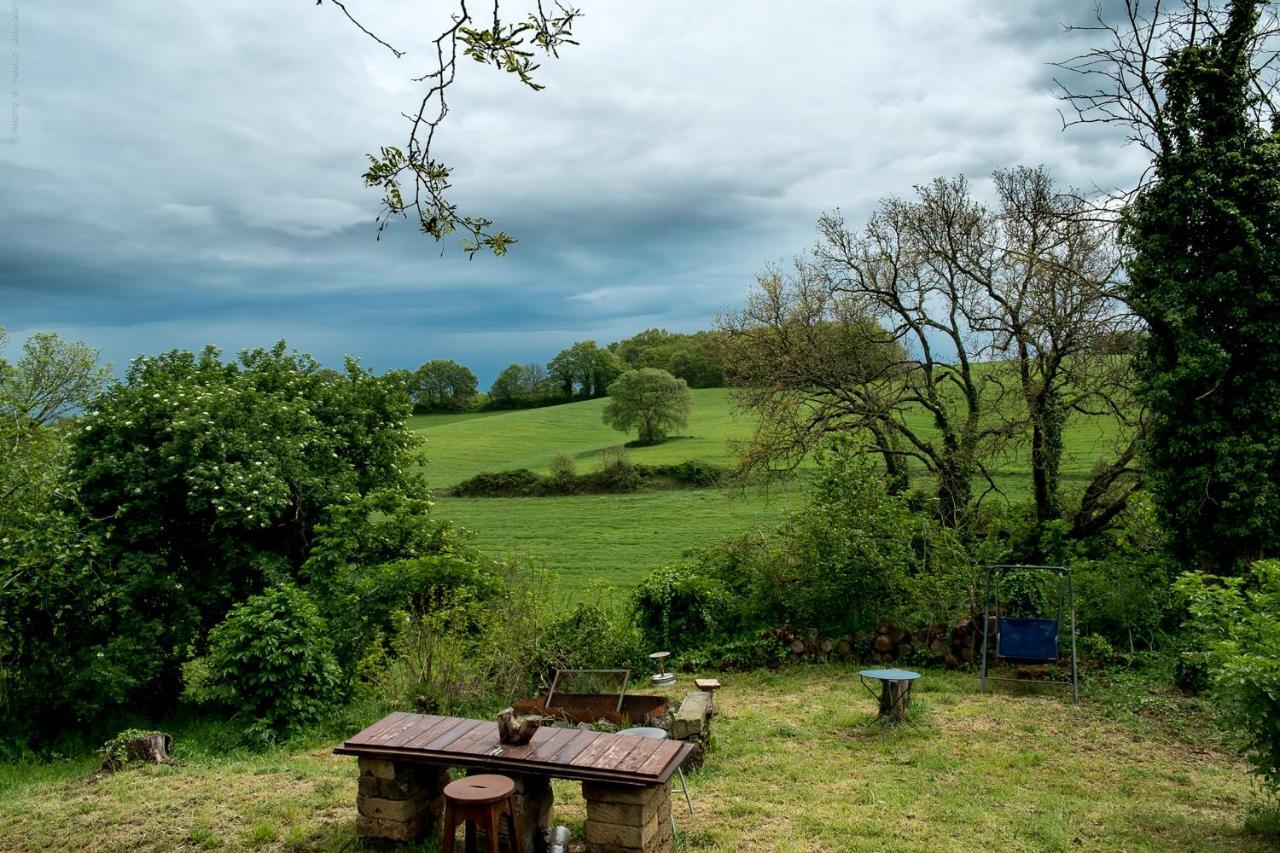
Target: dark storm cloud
{"x": 192, "y": 177}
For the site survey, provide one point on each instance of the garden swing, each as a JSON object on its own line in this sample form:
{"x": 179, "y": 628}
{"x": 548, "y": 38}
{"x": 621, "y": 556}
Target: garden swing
{"x": 1028, "y": 640}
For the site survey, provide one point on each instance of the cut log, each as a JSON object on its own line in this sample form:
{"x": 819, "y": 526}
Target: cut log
{"x": 882, "y": 643}
{"x": 825, "y": 646}
{"x": 797, "y": 647}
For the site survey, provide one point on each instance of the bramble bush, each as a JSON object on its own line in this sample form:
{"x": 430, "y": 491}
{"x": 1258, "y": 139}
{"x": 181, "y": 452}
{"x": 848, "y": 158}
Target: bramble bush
{"x": 850, "y": 556}
{"x": 1236, "y": 625}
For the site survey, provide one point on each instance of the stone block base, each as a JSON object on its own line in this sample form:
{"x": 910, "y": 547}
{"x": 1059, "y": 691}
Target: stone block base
{"x": 398, "y": 801}
{"x": 534, "y": 802}
{"x": 623, "y": 819}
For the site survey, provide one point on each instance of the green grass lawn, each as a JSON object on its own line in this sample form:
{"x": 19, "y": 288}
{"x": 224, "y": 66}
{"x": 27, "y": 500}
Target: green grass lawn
{"x": 792, "y": 768}
{"x": 619, "y": 538}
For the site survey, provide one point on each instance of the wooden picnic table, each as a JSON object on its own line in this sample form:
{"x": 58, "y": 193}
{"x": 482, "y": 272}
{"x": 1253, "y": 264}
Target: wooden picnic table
{"x": 627, "y": 778}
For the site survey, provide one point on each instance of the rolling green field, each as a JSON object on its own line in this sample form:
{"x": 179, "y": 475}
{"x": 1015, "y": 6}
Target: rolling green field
{"x": 617, "y": 539}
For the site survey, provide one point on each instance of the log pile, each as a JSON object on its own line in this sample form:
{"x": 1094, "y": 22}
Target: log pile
{"x": 953, "y": 645}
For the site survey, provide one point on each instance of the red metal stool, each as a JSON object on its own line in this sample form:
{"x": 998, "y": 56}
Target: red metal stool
{"x": 479, "y": 801}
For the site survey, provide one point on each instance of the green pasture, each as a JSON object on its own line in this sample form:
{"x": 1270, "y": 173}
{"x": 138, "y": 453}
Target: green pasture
{"x": 619, "y": 538}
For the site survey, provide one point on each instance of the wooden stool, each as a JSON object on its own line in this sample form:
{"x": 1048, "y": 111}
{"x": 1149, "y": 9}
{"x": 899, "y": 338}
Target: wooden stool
{"x": 479, "y": 801}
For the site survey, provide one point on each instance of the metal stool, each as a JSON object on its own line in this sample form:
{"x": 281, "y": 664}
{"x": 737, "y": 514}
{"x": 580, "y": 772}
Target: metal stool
{"x": 661, "y": 734}
{"x": 479, "y": 801}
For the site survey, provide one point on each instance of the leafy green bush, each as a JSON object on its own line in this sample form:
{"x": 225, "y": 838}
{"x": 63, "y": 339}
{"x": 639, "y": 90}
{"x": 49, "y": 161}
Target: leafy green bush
{"x": 694, "y": 473}
{"x": 271, "y": 660}
{"x": 594, "y": 635}
{"x": 472, "y": 656}
{"x": 617, "y": 472}
{"x": 191, "y": 484}
{"x": 1237, "y": 624}
{"x": 520, "y": 482}
{"x": 362, "y": 609}
{"x": 1124, "y": 580}
{"x": 564, "y": 469}
{"x": 677, "y": 606}
{"x": 841, "y": 562}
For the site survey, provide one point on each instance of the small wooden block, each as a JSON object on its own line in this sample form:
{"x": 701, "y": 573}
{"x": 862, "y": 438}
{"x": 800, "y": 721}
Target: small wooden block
{"x": 710, "y": 685}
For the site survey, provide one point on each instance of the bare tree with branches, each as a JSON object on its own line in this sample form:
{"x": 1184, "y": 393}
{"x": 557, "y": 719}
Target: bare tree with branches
{"x": 1122, "y": 81}
{"x": 946, "y": 333}
{"x": 508, "y": 44}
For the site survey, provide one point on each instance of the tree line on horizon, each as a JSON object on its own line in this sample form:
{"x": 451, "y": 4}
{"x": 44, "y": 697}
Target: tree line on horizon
{"x": 582, "y": 371}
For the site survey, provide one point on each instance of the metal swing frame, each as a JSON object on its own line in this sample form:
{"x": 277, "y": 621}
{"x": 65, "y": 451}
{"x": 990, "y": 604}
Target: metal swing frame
{"x": 991, "y": 605}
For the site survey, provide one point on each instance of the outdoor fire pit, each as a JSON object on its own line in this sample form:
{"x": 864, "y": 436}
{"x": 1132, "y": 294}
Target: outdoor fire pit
{"x": 592, "y": 704}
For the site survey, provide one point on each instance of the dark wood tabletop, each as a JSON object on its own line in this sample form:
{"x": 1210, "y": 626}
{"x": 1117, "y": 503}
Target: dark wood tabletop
{"x": 563, "y": 753}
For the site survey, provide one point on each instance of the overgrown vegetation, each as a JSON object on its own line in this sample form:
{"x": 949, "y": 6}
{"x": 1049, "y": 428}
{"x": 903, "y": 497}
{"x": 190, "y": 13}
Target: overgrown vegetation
{"x": 617, "y": 474}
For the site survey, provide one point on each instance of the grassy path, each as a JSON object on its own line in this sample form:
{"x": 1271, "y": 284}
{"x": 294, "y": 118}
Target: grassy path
{"x": 792, "y": 769}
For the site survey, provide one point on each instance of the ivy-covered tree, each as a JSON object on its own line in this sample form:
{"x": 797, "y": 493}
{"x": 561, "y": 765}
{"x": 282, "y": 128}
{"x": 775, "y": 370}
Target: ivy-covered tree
{"x": 1194, "y": 85}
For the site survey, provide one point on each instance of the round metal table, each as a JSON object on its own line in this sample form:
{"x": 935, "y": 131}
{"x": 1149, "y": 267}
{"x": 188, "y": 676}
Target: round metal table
{"x": 661, "y": 734}
{"x": 886, "y": 715}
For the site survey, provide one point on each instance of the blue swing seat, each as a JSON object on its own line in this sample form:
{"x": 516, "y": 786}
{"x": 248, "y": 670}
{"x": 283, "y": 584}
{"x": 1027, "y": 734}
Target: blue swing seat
{"x": 1026, "y": 640}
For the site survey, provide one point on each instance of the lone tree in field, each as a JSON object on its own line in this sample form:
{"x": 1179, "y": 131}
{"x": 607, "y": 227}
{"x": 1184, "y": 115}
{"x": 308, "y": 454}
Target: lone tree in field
{"x": 648, "y": 399}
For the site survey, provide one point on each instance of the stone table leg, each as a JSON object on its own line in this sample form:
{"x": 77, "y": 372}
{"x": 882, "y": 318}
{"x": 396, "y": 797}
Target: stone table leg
{"x": 398, "y": 801}
{"x": 628, "y": 819}
{"x": 534, "y": 802}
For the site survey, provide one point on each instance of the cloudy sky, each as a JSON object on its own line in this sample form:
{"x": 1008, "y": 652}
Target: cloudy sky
{"x": 186, "y": 173}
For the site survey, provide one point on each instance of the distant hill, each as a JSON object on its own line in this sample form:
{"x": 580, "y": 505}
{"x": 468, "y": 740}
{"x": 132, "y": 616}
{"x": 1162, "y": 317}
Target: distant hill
{"x": 461, "y": 446}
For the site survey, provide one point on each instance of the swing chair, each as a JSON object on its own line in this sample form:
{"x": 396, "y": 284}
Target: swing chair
{"x": 1023, "y": 639}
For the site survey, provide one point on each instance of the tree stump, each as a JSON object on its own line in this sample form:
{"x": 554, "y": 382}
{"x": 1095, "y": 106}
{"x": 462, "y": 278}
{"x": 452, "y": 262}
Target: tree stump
{"x": 141, "y": 748}
{"x": 893, "y": 699}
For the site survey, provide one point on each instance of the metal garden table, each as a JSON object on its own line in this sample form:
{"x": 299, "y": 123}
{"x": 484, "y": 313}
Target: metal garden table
{"x": 893, "y": 698}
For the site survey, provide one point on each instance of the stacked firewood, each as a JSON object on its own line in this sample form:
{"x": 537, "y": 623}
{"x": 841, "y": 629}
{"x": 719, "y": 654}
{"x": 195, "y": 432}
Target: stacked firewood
{"x": 949, "y": 644}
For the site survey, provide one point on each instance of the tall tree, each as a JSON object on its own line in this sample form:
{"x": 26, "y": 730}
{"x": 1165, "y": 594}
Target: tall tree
{"x": 1195, "y": 85}
{"x": 584, "y": 369}
{"x": 51, "y": 379}
{"x": 1047, "y": 300}
{"x": 995, "y": 323}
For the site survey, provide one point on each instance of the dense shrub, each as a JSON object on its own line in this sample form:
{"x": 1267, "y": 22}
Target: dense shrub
{"x": 678, "y": 606}
{"x": 843, "y": 559}
{"x": 1124, "y": 581}
{"x": 1236, "y": 622}
{"x": 468, "y": 655}
{"x": 362, "y": 608}
{"x": 594, "y": 635}
{"x": 851, "y": 556}
{"x": 617, "y": 474}
{"x": 190, "y": 485}
{"x": 271, "y": 660}
{"x": 518, "y": 483}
